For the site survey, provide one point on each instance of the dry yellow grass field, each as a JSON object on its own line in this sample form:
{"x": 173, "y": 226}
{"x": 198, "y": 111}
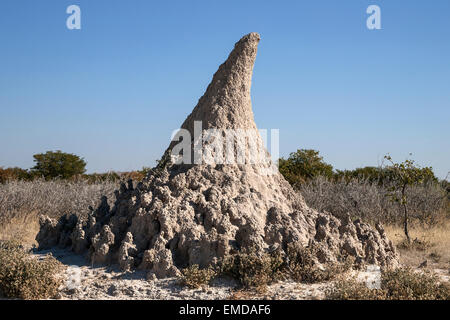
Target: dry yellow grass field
{"x": 22, "y": 202}
{"x": 430, "y": 244}
{"x": 22, "y": 228}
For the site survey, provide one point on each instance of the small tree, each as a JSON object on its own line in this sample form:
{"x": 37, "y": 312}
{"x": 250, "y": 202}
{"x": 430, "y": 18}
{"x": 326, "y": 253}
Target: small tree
{"x": 406, "y": 174}
{"x": 303, "y": 165}
{"x": 58, "y": 164}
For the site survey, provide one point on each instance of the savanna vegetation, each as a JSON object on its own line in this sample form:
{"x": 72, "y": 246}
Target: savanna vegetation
{"x": 409, "y": 200}
{"x": 58, "y": 165}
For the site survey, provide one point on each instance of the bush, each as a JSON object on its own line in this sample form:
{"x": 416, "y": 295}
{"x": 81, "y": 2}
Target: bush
{"x": 25, "y": 277}
{"x": 378, "y": 175}
{"x": 99, "y": 177}
{"x": 302, "y": 166}
{"x": 302, "y": 266}
{"x": 405, "y": 284}
{"x": 399, "y": 284}
{"x": 251, "y": 269}
{"x": 193, "y": 277}
{"x": 12, "y": 174}
{"x": 353, "y": 290}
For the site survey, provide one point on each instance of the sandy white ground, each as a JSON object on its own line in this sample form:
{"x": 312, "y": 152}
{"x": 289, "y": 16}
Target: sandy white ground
{"x": 83, "y": 281}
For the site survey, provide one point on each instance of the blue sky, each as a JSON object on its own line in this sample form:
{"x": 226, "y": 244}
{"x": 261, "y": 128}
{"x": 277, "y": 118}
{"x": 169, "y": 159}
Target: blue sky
{"x": 113, "y": 91}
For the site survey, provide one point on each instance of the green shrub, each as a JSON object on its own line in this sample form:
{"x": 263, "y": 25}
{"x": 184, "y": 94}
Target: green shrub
{"x": 25, "y": 277}
{"x": 373, "y": 175}
{"x": 302, "y": 265}
{"x": 194, "y": 277}
{"x": 304, "y": 165}
{"x": 252, "y": 270}
{"x": 13, "y": 174}
{"x": 399, "y": 284}
{"x": 405, "y": 284}
{"x": 353, "y": 290}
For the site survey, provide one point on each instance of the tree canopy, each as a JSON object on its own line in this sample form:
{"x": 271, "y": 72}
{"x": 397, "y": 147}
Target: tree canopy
{"x": 303, "y": 165}
{"x": 57, "y": 164}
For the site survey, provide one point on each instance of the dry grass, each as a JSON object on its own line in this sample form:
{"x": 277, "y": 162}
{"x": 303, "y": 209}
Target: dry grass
{"x": 21, "y": 202}
{"x": 361, "y": 199}
{"x": 431, "y": 244}
{"x": 22, "y": 228}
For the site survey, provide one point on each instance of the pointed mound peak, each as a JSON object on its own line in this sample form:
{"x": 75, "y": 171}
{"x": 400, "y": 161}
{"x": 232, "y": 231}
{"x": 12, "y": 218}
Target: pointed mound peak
{"x": 226, "y": 103}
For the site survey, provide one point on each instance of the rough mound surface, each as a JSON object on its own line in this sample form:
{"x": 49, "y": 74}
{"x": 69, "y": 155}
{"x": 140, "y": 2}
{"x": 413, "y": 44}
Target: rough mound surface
{"x": 181, "y": 215}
